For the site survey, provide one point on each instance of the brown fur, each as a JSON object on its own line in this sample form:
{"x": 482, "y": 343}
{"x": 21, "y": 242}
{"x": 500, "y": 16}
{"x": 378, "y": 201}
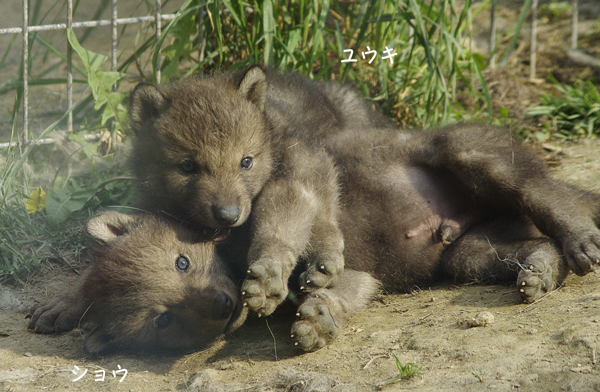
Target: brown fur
{"x": 466, "y": 202}
{"x": 193, "y": 143}
{"x": 134, "y": 280}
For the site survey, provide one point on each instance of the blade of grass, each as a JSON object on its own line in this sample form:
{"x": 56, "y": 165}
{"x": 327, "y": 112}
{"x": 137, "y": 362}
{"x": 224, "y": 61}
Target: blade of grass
{"x": 515, "y": 37}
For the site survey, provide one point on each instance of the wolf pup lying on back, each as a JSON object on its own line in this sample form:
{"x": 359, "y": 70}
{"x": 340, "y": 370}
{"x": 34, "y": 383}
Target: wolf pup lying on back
{"x": 248, "y": 146}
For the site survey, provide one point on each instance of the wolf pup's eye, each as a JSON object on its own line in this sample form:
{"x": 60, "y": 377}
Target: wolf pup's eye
{"x": 187, "y": 166}
{"x": 182, "y": 263}
{"x": 163, "y": 320}
{"x": 246, "y": 163}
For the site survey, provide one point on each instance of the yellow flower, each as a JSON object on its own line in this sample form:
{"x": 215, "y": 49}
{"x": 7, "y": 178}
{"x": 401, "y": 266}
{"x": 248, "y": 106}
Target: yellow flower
{"x": 36, "y": 201}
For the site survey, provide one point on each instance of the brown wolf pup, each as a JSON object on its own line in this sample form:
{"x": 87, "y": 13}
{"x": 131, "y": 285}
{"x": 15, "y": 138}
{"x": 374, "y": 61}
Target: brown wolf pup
{"x": 206, "y": 153}
{"x": 149, "y": 282}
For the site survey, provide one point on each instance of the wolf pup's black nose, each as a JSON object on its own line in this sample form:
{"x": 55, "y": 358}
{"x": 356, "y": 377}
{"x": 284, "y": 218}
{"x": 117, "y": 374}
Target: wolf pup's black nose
{"x": 226, "y": 215}
{"x": 222, "y": 306}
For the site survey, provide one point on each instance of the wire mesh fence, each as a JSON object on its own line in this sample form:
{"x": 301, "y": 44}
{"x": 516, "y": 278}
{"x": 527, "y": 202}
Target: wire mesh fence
{"x": 114, "y": 22}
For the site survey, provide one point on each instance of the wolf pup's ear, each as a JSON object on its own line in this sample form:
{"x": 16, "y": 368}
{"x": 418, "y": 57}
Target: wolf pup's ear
{"x": 145, "y": 104}
{"x": 253, "y": 86}
{"x": 107, "y": 226}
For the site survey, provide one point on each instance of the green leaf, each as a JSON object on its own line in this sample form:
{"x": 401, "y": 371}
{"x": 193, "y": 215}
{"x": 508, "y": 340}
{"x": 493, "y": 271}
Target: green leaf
{"x": 89, "y": 149}
{"x": 91, "y": 61}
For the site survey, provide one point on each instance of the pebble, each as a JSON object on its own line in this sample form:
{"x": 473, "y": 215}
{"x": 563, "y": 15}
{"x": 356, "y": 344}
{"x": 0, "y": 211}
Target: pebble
{"x": 480, "y": 320}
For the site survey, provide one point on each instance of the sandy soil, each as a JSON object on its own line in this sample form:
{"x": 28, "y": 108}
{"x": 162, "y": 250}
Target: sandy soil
{"x": 551, "y": 345}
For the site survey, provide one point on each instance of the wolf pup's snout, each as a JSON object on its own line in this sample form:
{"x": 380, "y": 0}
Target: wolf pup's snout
{"x": 226, "y": 215}
{"x": 222, "y": 306}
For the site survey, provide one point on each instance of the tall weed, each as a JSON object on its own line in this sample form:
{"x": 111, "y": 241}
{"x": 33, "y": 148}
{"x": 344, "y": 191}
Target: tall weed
{"x": 572, "y": 113}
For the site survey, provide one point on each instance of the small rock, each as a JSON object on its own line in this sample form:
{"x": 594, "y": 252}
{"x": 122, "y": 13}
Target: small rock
{"x": 480, "y": 320}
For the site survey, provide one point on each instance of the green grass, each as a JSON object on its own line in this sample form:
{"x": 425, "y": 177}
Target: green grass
{"x": 405, "y": 372}
{"x": 307, "y": 36}
{"x": 26, "y": 240}
{"x": 573, "y": 113}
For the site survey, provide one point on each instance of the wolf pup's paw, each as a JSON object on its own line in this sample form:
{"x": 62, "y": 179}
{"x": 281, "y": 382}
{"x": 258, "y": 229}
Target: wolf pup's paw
{"x": 322, "y": 274}
{"x": 265, "y": 287}
{"x": 535, "y": 280}
{"x": 59, "y": 315}
{"x": 319, "y": 321}
{"x": 582, "y": 252}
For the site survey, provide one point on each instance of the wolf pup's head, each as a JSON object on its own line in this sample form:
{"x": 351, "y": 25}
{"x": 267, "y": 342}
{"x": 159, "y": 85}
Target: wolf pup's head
{"x": 202, "y": 149}
{"x": 155, "y": 285}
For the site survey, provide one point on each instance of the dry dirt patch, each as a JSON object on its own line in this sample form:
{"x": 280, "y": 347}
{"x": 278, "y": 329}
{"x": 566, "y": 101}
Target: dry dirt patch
{"x": 551, "y": 345}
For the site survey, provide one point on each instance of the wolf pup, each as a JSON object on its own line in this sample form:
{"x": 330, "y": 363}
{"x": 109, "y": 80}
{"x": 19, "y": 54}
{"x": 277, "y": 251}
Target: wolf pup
{"x": 205, "y": 152}
{"x": 150, "y": 279}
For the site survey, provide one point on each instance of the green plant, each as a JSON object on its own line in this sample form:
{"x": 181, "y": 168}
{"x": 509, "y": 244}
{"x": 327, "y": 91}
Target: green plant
{"x": 556, "y": 9}
{"x": 416, "y": 86}
{"x": 478, "y": 374}
{"x": 26, "y": 240}
{"x": 101, "y": 83}
{"x": 405, "y": 371}
{"x": 574, "y": 113}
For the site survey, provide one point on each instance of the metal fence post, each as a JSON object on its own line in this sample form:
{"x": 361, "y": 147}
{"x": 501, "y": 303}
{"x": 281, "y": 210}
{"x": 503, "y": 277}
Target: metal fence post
{"x": 25, "y": 72}
{"x": 575, "y": 32}
{"x": 533, "y": 54}
{"x": 158, "y": 29}
{"x": 69, "y": 68}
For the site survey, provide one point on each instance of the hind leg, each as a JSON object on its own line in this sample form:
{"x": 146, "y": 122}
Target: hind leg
{"x": 504, "y": 175}
{"x": 505, "y": 250}
{"x": 324, "y": 312}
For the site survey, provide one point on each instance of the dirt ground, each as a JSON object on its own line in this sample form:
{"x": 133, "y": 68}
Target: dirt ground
{"x": 551, "y": 345}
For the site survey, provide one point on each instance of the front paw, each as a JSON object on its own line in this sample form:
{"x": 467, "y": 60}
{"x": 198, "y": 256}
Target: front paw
{"x": 265, "y": 287}
{"x": 582, "y": 252}
{"x": 59, "y": 315}
{"x": 322, "y": 274}
{"x": 316, "y": 324}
